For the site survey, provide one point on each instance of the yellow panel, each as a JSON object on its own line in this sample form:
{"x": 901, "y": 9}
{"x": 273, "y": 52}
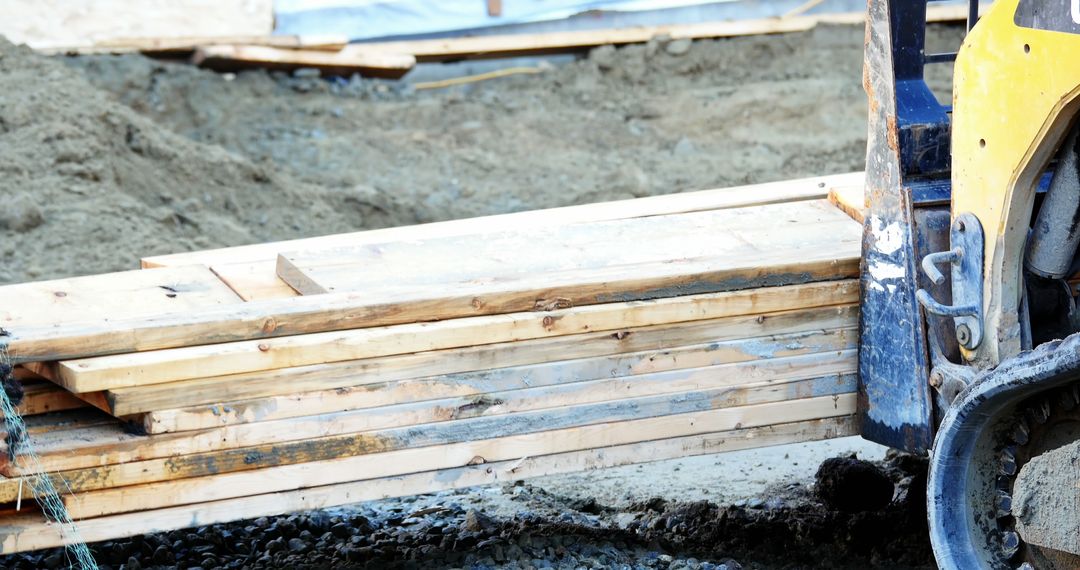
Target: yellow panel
{"x": 1014, "y": 97}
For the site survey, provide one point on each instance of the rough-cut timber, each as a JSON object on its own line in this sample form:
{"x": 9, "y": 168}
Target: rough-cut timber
{"x": 28, "y": 532}
{"x": 473, "y": 386}
{"x": 736, "y": 239}
{"x": 456, "y": 356}
{"x": 159, "y": 367}
{"x": 346, "y": 61}
{"x": 112, "y": 296}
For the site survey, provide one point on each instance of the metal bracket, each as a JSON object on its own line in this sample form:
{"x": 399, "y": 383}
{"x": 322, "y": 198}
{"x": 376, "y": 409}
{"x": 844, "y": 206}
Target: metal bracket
{"x": 966, "y": 261}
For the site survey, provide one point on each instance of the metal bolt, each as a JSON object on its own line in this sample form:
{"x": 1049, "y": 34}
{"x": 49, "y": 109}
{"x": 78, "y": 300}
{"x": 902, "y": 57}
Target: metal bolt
{"x": 963, "y": 335}
{"x": 936, "y": 379}
{"x": 1004, "y": 504}
{"x": 1010, "y": 543}
{"x": 1020, "y": 432}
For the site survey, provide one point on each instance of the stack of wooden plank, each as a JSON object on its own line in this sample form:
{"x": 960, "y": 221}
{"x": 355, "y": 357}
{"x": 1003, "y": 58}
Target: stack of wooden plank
{"x": 265, "y": 379}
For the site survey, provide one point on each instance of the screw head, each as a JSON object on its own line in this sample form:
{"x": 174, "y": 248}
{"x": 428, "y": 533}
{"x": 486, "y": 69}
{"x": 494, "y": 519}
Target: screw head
{"x": 936, "y": 379}
{"x": 963, "y": 335}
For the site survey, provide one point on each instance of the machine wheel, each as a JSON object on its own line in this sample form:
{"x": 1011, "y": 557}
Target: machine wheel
{"x": 1027, "y": 406}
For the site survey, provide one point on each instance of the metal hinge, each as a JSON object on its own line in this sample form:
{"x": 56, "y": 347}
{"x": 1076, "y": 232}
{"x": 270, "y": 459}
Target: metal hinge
{"x": 966, "y": 261}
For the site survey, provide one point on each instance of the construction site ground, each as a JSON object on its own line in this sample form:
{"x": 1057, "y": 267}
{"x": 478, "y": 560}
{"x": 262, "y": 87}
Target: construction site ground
{"x": 107, "y": 159}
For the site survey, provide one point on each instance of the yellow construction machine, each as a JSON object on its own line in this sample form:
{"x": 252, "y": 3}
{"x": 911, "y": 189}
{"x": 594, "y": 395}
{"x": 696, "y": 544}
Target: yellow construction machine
{"x": 969, "y": 349}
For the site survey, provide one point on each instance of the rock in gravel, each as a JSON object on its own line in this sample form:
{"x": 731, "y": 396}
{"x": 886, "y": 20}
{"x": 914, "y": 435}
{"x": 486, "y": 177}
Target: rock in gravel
{"x": 851, "y": 485}
{"x": 20, "y": 213}
{"x": 678, "y": 47}
{"x": 298, "y": 545}
{"x": 54, "y": 560}
{"x": 684, "y": 147}
{"x": 275, "y": 545}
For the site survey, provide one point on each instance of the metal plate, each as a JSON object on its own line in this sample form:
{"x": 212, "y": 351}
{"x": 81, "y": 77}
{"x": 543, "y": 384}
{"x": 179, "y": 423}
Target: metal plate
{"x": 1049, "y": 15}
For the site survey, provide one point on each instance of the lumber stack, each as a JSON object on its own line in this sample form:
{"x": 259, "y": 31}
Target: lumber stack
{"x": 258, "y": 380}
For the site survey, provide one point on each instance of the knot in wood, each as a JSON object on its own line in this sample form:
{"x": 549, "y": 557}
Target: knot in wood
{"x": 269, "y": 325}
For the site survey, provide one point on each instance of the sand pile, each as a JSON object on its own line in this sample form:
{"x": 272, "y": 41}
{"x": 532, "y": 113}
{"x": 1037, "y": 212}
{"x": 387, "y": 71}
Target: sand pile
{"x": 88, "y": 185}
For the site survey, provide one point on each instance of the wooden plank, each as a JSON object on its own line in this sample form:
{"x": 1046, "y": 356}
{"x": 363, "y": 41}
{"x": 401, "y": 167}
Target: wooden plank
{"x": 112, "y": 296}
{"x": 61, "y": 421}
{"x": 55, "y": 23}
{"x": 773, "y": 230}
{"x": 785, "y": 386}
{"x": 174, "y": 46}
{"x": 254, "y": 281}
{"x": 159, "y": 367}
{"x": 340, "y": 434}
{"x": 296, "y": 316}
{"x": 512, "y": 45}
{"x": 346, "y": 61}
{"x": 30, "y": 532}
{"x": 814, "y": 188}
{"x": 850, "y": 200}
{"x": 477, "y": 369}
{"x": 40, "y": 397}
{"x": 220, "y": 412}
{"x": 334, "y": 471}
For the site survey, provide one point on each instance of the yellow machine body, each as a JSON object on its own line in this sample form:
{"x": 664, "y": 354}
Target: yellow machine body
{"x": 1016, "y": 94}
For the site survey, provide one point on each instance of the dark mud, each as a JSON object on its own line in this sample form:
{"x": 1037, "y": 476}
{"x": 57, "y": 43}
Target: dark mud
{"x": 790, "y": 529}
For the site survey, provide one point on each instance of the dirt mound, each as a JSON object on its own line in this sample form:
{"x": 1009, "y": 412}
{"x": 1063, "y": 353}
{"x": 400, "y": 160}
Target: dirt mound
{"x": 89, "y": 185}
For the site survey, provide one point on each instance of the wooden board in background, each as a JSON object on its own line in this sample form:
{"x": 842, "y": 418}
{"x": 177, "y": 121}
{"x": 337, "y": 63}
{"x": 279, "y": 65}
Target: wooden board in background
{"x": 177, "y": 46}
{"x": 346, "y": 61}
{"x": 29, "y": 532}
{"x": 62, "y": 23}
{"x": 159, "y": 367}
{"x": 511, "y": 45}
